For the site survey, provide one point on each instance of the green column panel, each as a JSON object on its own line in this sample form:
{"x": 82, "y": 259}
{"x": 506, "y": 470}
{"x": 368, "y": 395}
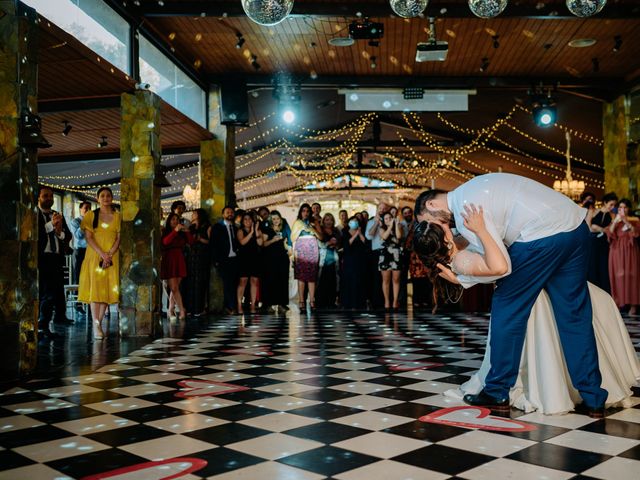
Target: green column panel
{"x": 615, "y": 133}
{"x": 212, "y": 199}
{"x": 140, "y": 153}
{"x": 18, "y": 192}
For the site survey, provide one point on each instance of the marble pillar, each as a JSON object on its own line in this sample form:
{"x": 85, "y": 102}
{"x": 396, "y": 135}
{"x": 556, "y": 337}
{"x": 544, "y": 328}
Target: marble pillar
{"x": 140, "y": 153}
{"x": 18, "y": 192}
{"x": 615, "y": 128}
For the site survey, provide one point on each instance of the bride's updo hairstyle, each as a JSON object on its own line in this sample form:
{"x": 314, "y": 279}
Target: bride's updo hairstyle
{"x": 431, "y": 247}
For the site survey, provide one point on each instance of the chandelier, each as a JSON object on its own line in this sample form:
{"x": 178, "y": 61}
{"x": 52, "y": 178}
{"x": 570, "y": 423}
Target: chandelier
{"x": 569, "y": 187}
{"x": 191, "y": 197}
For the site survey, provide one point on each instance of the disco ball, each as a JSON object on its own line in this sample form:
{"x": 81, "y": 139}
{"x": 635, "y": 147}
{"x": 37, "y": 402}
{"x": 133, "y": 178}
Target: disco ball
{"x": 408, "y": 8}
{"x": 585, "y": 8}
{"x": 267, "y": 12}
{"x": 487, "y": 8}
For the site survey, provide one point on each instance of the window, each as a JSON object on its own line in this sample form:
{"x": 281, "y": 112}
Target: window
{"x": 172, "y": 84}
{"x": 93, "y": 23}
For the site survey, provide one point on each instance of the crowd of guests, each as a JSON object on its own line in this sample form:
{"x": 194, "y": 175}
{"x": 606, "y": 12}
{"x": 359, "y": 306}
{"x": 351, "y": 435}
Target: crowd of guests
{"x": 355, "y": 262}
{"x": 614, "y": 262}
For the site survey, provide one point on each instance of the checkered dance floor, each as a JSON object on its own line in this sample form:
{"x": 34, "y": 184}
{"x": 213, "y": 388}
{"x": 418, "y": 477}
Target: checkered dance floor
{"x": 302, "y": 397}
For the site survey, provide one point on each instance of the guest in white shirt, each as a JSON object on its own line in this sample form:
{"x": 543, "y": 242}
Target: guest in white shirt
{"x": 543, "y": 235}
{"x": 374, "y": 224}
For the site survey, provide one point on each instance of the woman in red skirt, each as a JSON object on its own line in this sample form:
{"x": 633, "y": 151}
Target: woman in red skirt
{"x": 175, "y": 237}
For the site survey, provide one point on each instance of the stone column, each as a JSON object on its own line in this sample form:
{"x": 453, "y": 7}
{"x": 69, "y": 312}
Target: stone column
{"x": 18, "y": 192}
{"x": 140, "y": 153}
{"x": 615, "y": 127}
{"x": 217, "y": 178}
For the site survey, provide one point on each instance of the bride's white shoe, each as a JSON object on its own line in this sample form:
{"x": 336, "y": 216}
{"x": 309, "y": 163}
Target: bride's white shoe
{"x": 98, "y": 334}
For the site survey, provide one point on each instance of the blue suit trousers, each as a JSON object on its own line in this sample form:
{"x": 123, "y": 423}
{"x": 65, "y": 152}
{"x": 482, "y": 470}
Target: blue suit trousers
{"x": 557, "y": 264}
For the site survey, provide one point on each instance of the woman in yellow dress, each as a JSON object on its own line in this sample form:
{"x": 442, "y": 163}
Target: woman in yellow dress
{"x": 99, "y": 275}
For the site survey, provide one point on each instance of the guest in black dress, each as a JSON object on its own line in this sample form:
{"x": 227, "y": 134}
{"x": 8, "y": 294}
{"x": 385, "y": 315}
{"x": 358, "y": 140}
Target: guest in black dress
{"x": 599, "y": 220}
{"x": 276, "y": 244}
{"x": 250, "y": 240}
{"x": 355, "y": 255}
{"x": 198, "y": 264}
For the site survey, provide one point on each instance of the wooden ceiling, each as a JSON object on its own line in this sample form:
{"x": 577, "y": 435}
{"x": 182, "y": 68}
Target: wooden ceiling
{"x": 532, "y": 47}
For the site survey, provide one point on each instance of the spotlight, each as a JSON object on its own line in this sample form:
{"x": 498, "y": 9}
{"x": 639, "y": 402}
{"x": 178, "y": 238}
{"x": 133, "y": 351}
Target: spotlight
{"x": 496, "y": 41}
{"x": 254, "y": 62}
{"x": 288, "y": 115}
{"x": 617, "y": 43}
{"x": 240, "y": 41}
{"x": 484, "y": 65}
{"x": 544, "y": 111}
{"x": 596, "y": 64}
{"x": 103, "y": 143}
{"x": 373, "y": 62}
{"x": 67, "y": 128}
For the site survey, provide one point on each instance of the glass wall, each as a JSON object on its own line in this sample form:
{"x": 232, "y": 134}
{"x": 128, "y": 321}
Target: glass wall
{"x": 93, "y": 23}
{"x": 172, "y": 84}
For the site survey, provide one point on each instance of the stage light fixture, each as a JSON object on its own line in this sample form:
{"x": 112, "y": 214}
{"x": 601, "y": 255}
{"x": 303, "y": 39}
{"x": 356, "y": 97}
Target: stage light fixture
{"x": 287, "y": 94}
{"x": 254, "y": 62}
{"x": 103, "y": 143}
{"x": 496, "y": 41}
{"x": 240, "y": 41}
{"x": 67, "y": 128}
{"x": 288, "y": 115}
{"x": 374, "y": 63}
{"x": 484, "y": 65}
{"x": 544, "y": 111}
{"x": 617, "y": 43}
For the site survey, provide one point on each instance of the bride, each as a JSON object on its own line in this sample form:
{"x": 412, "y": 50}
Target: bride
{"x": 543, "y": 382}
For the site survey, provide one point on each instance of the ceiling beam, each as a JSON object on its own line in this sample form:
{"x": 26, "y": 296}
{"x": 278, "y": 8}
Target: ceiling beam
{"x": 109, "y": 155}
{"x": 436, "y": 8}
{"x": 600, "y": 84}
{"x": 79, "y": 104}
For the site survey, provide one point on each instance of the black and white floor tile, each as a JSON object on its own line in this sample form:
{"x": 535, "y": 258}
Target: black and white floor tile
{"x": 340, "y": 396}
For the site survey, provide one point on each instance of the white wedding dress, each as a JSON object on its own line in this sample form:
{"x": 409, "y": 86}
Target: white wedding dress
{"x": 543, "y": 382}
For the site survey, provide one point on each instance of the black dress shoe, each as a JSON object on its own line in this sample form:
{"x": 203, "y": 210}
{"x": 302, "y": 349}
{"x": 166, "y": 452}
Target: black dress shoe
{"x": 483, "y": 399}
{"x": 49, "y": 335}
{"x": 63, "y": 321}
{"x": 593, "y": 412}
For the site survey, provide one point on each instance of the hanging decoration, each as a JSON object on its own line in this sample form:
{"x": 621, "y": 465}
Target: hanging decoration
{"x": 408, "y": 8}
{"x": 570, "y": 187}
{"x": 585, "y": 8}
{"x": 487, "y": 8}
{"x": 267, "y": 12}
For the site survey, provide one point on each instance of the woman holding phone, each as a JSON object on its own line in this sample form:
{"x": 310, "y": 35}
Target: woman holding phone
{"x": 624, "y": 258}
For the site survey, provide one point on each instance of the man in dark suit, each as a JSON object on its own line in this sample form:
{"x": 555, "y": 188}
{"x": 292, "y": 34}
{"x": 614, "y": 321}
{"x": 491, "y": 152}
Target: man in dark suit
{"x": 224, "y": 252}
{"x": 53, "y": 241}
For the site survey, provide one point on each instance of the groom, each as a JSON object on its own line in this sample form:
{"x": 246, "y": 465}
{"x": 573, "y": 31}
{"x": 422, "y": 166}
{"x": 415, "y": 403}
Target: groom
{"x": 547, "y": 241}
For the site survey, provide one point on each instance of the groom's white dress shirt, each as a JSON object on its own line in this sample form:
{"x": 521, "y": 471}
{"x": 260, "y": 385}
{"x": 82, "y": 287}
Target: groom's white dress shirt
{"x": 516, "y": 209}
